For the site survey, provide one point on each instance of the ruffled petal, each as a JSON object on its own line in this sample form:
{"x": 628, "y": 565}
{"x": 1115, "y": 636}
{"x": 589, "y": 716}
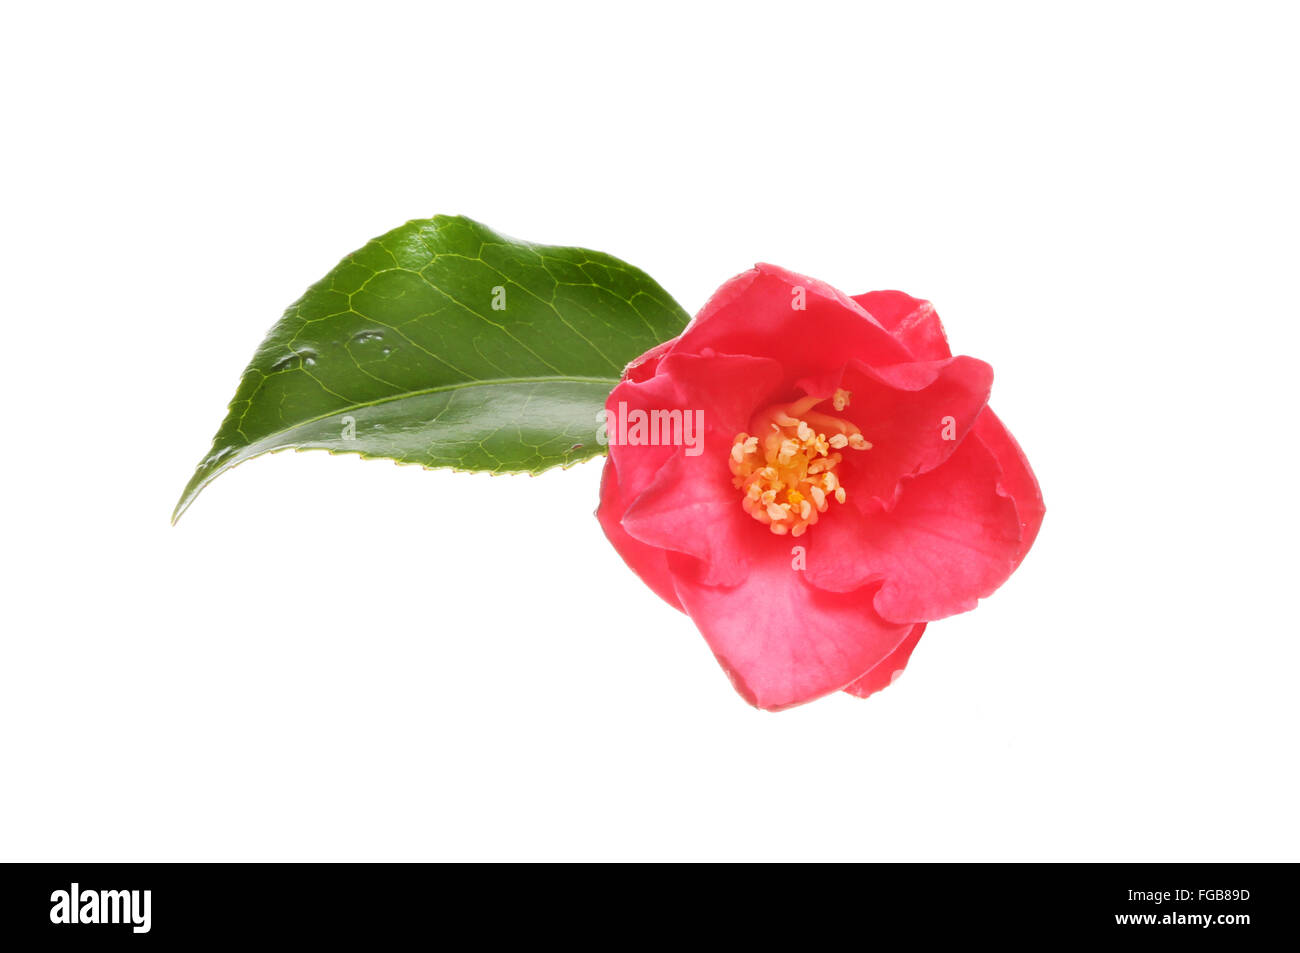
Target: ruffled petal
{"x": 693, "y": 509}
{"x": 758, "y": 313}
{"x": 645, "y": 366}
{"x": 1018, "y": 480}
{"x": 691, "y": 505}
{"x": 883, "y": 674}
{"x": 648, "y": 562}
{"x": 781, "y": 641}
{"x": 915, "y": 416}
{"x": 952, "y": 539}
{"x": 913, "y": 322}
{"x": 638, "y": 465}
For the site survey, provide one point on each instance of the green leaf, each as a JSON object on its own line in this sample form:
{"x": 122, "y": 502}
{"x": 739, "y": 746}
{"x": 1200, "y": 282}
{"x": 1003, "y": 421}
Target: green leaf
{"x": 445, "y": 344}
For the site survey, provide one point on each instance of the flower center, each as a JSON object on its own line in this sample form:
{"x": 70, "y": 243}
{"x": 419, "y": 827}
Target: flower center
{"x": 786, "y": 468}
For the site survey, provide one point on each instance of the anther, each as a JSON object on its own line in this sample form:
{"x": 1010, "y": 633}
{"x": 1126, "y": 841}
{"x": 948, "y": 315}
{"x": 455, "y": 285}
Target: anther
{"x": 795, "y": 461}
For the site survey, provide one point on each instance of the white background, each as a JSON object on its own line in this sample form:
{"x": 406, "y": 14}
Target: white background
{"x": 338, "y": 659}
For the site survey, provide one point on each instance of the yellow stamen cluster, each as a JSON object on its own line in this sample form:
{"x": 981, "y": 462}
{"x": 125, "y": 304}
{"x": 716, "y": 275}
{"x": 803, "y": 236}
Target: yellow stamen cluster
{"x": 785, "y": 469}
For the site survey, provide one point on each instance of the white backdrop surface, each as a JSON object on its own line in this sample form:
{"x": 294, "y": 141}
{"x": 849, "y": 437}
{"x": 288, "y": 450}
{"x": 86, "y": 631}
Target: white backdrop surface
{"x": 336, "y": 659}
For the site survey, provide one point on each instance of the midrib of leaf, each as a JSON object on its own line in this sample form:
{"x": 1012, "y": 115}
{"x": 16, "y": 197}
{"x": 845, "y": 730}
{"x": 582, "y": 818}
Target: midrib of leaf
{"x": 549, "y": 379}
{"x": 201, "y": 479}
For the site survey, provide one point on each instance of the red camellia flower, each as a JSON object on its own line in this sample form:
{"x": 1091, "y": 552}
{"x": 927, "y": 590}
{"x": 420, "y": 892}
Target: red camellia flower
{"x": 812, "y": 478}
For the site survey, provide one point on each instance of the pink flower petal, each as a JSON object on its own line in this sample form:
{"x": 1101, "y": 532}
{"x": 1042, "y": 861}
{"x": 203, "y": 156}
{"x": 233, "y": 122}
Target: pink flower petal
{"x": 950, "y": 542}
{"x": 648, "y": 562}
{"x": 913, "y": 322}
{"x": 781, "y": 641}
{"x": 883, "y": 674}
{"x": 952, "y": 539}
{"x": 914, "y": 415}
{"x": 1018, "y": 481}
{"x": 645, "y": 366}
{"x": 756, "y": 313}
{"x": 691, "y": 509}
{"x": 690, "y": 505}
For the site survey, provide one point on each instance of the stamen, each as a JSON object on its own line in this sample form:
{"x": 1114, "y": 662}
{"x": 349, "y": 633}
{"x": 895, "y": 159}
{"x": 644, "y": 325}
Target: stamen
{"x": 794, "y": 461}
